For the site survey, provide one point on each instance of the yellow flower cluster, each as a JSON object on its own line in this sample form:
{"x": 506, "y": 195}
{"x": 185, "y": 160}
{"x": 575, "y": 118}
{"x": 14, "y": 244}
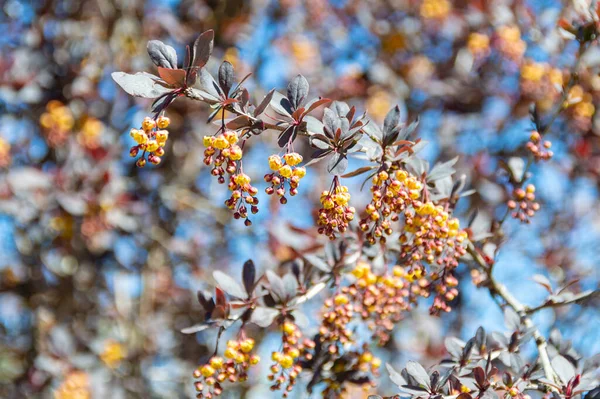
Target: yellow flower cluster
{"x": 284, "y": 170}
{"x": 57, "y": 122}
{"x": 75, "y": 386}
{"x": 151, "y": 139}
{"x": 541, "y": 82}
{"x": 509, "y": 42}
{"x": 478, "y": 44}
{"x": 113, "y": 353}
{"x": 390, "y": 197}
{"x": 90, "y": 133}
{"x": 233, "y": 366}
{"x": 223, "y": 152}
{"x": 380, "y": 300}
{"x": 285, "y": 368}
{"x": 242, "y": 192}
{"x": 4, "y": 153}
{"x": 335, "y": 213}
{"x": 435, "y": 9}
{"x": 582, "y": 103}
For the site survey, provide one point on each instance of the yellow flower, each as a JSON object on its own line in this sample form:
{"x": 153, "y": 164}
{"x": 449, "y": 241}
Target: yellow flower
{"x": 242, "y": 179}
{"x": 231, "y": 137}
{"x": 286, "y": 361}
{"x": 235, "y": 153}
{"x": 113, "y": 353}
{"x": 216, "y": 362}
{"x": 286, "y": 171}
{"x": 162, "y": 136}
{"x": 341, "y": 299}
{"x": 275, "y": 163}
{"x": 163, "y": 122}
{"x": 207, "y": 370}
{"x": 152, "y": 146}
{"x": 292, "y": 158}
{"x": 221, "y": 142}
{"x": 300, "y": 172}
{"x": 148, "y": 124}
{"x": 247, "y": 345}
{"x": 289, "y": 328}
{"x": 208, "y": 141}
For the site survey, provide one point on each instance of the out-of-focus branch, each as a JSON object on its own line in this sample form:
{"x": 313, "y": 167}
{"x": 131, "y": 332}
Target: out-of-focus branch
{"x": 497, "y": 289}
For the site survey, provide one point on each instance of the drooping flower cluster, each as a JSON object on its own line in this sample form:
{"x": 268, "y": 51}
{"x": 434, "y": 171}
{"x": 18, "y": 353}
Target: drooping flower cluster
{"x": 286, "y": 367}
{"x": 380, "y": 300}
{"x": 540, "y": 150}
{"x": 523, "y": 204}
{"x": 284, "y": 170}
{"x": 242, "y": 192}
{"x": 337, "y": 315}
{"x": 223, "y": 152}
{"x": 390, "y": 198}
{"x": 150, "y": 139}
{"x": 431, "y": 235}
{"x": 335, "y": 213}
{"x": 233, "y": 366}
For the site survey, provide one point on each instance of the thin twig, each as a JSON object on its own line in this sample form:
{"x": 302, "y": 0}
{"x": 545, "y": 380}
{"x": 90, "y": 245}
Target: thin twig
{"x": 581, "y": 297}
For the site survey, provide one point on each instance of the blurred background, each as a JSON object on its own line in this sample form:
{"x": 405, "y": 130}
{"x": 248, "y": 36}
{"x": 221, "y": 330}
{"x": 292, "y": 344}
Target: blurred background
{"x": 100, "y": 261}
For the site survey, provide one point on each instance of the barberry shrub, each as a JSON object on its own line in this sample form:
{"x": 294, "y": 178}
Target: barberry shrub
{"x": 378, "y": 263}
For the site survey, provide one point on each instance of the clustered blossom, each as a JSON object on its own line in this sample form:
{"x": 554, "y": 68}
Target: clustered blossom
{"x": 286, "y": 367}
{"x": 380, "y": 300}
{"x": 541, "y": 82}
{"x": 538, "y": 148}
{"x": 232, "y": 366}
{"x": 337, "y": 315}
{"x": 431, "y": 236}
{"x": 523, "y": 204}
{"x": 151, "y": 139}
{"x": 284, "y": 170}
{"x": 75, "y": 386}
{"x": 57, "y": 123}
{"x": 242, "y": 192}
{"x": 223, "y": 152}
{"x": 509, "y": 43}
{"x": 390, "y": 198}
{"x": 335, "y": 213}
